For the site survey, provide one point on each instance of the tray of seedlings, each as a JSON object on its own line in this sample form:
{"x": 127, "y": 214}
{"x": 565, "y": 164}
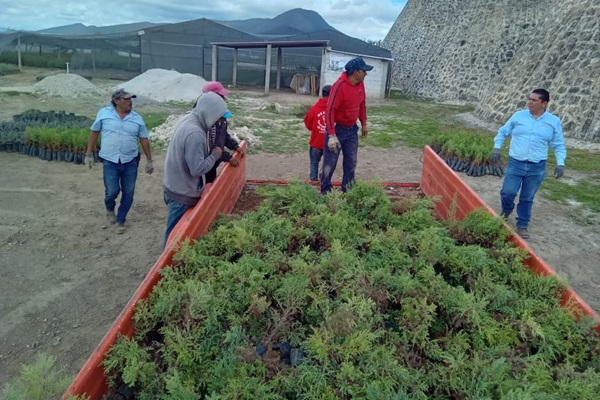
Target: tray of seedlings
{"x": 354, "y": 295}
{"x": 392, "y": 290}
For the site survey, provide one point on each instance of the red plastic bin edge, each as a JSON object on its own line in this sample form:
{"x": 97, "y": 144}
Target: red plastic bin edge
{"x": 220, "y": 196}
{"x": 438, "y": 178}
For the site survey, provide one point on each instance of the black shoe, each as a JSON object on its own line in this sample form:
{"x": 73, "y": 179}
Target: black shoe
{"x": 504, "y": 216}
{"x": 523, "y": 232}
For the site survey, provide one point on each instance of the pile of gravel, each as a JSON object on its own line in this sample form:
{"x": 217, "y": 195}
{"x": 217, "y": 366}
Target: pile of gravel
{"x": 163, "y": 133}
{"x": 245, "y": 133}
{"x": 164, "y": 85}
{"x": 68, "y": 85}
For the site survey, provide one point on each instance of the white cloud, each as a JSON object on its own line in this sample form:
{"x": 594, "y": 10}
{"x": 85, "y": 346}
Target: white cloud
{"x": 363, "y": 19}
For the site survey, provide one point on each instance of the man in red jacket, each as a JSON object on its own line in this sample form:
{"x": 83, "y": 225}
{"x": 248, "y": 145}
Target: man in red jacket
{"x": 346, "y": 105}
{"x": 315, "y": 122}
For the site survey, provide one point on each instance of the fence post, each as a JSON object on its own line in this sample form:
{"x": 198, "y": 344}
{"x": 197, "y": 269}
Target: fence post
{"x": 19, "y": 51}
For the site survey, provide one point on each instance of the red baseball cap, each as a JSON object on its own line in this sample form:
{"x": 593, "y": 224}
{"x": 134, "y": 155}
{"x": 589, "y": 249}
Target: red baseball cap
{"x": 216, "y": 87}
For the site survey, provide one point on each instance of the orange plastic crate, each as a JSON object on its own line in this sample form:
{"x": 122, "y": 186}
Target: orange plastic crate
{"x": 437, "y": 180}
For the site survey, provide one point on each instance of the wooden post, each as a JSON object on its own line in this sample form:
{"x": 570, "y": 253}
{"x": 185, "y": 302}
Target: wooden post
{"x": 279, "y": 62}
{"x": 140, "y": 33}
{"x": 268, "y": 69}
{"x": 235, "y": 65}
{"x": 202, "y": 65}
{"x": 215, "y": 50}
{"x": 93, "y": 55}
{"x": 19, "y": 51}
{"x": 323, "y": 70}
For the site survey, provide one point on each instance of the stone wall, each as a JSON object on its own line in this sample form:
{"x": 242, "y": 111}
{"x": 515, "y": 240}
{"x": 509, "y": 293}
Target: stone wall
{"x": 494, "y": 52}
{"x": 563, "y": 56}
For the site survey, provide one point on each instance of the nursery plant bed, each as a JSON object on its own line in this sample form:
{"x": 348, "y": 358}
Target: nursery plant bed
{"x": 249, "y": 200}
{"x": 456, "y": 200}
{"x": 351, "y": 292}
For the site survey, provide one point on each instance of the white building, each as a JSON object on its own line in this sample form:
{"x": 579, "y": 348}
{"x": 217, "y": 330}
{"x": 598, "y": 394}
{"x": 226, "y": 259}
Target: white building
{"x": 376, "y": 82}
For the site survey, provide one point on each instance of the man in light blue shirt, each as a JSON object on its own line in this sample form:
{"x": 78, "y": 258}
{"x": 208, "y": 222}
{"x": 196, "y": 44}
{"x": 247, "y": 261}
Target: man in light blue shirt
{"x": 121, "y": 128}
{"x": 532, "y": 131}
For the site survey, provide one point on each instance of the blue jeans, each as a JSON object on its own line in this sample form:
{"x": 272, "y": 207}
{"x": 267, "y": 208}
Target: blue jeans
{"x": 176, "y": 211}
{"x": 315, "y": 159}
{"x": 348, "y": 137}
{"x": 119, "y": 178}
{"x": 526, "y": 176}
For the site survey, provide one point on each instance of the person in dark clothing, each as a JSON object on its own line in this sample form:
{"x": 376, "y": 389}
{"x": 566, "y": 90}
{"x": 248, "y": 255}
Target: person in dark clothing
{"x": 219, "y": 136}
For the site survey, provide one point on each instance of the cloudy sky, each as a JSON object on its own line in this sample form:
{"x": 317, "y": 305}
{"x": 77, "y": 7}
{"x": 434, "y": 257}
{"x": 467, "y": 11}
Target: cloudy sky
{"x": 363, "y": 19}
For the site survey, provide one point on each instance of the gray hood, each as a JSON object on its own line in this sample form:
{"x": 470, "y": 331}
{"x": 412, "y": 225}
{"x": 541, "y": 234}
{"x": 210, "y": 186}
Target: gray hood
{"x": 188, "y": 156}
{"x": 209, "y": 108}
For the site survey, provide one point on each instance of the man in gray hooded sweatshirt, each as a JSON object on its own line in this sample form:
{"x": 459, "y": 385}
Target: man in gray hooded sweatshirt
{"x": 189, "y": 157}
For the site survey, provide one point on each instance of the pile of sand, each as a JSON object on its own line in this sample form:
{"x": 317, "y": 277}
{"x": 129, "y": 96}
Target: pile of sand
{"x": 163, "y": 85}
{"x": 68, "y": 85}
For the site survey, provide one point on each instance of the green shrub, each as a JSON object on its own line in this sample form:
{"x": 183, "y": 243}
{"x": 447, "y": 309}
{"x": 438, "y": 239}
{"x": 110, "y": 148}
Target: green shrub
{"x": 6, "y": 69}
{"x": 354, "y": 296}
{"x": 41, "y": 380}
{"x": 152, "y": 120}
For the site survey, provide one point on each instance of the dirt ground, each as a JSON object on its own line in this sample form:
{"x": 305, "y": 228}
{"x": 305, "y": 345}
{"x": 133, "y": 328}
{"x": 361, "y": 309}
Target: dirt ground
{"x": 64, "y": 278}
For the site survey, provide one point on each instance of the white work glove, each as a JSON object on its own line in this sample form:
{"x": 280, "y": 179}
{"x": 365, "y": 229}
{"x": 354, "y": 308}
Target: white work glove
{"x": 149, "y": 167}
{"x": 89, "y": 160}
{"x": 333, "y": 143}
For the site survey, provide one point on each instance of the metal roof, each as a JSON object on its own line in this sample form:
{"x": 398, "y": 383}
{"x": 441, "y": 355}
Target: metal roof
{"x": 273, "y": 43}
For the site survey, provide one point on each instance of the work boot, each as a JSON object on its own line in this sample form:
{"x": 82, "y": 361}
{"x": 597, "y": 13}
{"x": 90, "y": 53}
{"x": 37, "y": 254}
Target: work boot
{"x": 523, "y": 232}
{"x": 120, "y": 228}
{"x": 110, "y": 217}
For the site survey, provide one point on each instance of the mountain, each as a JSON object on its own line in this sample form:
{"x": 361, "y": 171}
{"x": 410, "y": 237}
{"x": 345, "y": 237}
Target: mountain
{"x": 292, "y": 22}
{"x": 81, "y": 29}
{"x": 73, "y": 29}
